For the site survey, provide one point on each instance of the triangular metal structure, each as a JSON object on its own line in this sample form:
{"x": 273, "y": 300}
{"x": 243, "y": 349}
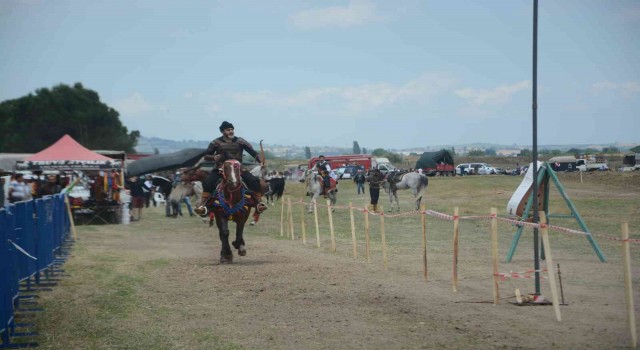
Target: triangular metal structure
{"x": 545, "y": 174}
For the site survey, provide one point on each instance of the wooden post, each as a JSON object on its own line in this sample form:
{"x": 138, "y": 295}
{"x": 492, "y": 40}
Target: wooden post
{"x": 71, "y": 221}
{"x": 353, "y": 231}
{"x": 456, "y": 218}
{"x": 315, "y": 216}
{"x": 628, "y": 293}
{"x": 423, "y": 219}
{"x": 282, "y": 219}
{"x": 494, "y": 254}
{"x": 303, "y": 225}
{"x": 293, "y": 235}
{"x": 384, "y": 240}
{"x": 550, "y": 271}
{"x": 333, "y": 234}
{"x": 366, "y": 234}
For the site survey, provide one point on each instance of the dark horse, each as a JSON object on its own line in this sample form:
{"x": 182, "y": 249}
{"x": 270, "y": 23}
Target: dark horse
{"x": 230, "y": 203}
{"x": 275, "y": 189}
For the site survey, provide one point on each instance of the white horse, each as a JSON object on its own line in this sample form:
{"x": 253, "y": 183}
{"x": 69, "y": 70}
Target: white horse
{"x": 414, "y": 181}
{"x": 313, "y": 183}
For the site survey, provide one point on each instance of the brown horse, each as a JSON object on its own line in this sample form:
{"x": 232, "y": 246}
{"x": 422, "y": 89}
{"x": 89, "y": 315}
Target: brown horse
{"x": 231, "y": 202}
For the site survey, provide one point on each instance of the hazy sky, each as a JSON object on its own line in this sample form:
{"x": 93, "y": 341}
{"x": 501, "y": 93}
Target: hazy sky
{"x": 392, "y": 74}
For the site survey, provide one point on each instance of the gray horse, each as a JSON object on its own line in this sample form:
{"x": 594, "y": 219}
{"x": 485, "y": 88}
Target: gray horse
{"x": 414, "y": 181}
{"x": 313, "y": 184}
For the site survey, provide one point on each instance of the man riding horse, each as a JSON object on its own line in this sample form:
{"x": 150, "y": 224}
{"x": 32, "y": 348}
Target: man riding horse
{"x": 324, "y": 169}
{"x": 226, "y": 147}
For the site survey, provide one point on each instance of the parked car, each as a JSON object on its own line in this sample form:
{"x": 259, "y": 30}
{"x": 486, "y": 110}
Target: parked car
{"x": 349, "y": 171}
{"x": 464, "y": 169}
{"x": 483, "y": 169}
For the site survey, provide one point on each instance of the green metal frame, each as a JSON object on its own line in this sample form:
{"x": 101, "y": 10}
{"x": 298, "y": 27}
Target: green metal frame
{"x": 545, "y": 174}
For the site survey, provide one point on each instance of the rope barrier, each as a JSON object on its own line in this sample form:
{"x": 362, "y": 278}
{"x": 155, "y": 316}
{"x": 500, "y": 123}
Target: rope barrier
{"x": 448, "y": 217}
{"x": 19, "y": 248}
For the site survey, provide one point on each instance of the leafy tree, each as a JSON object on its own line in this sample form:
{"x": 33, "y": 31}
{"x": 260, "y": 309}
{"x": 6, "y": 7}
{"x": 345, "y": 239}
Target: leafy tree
{"x": 490, "y": 152}
{"x": 635, "y": 149}
{"x": 525, "y": 153}
{"x": 307, "y": 152}
{"x": 356, "y": 147}
{"x": 33, "y": 122}
{"x": 610, "y": 150}
{"x": 453, "y": 151}
{"x": 379, "y": 152}
{"x": 364, "y": 150}
{"x": 575, "y": 151}
{"x": 475, "y": 153}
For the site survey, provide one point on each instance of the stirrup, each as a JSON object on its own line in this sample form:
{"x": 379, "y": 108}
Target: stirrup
{"x": 201, "y": 210}
{"x": 261, "y": 207}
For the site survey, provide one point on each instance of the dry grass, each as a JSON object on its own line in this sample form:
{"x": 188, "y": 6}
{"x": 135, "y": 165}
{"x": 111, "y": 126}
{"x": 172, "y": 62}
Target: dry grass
{"x": 126, "y": 288}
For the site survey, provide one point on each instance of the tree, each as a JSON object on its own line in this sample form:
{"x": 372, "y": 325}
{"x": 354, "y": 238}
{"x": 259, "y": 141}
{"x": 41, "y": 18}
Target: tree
{"x": 475, "y": 153}
{"x": 635, "y": 149}
{"x": 610, "y": 150}
{"x": 490, "y": 152}
{"x": 525, "y": 153}
{"x": 33, "y": 122}
{"x": 307, "y": 152}
{"x": 364, "y": 150}
{"x": 379, "y": 152}
{"x": 356, "y": 147}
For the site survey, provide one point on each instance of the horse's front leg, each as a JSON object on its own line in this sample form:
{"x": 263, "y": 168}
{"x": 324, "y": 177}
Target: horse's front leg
{"x": 226, "y": 256}
{"x": 314, "y": 198}
{"x": 395, "y": 196}
{"x": 239, "y": 242}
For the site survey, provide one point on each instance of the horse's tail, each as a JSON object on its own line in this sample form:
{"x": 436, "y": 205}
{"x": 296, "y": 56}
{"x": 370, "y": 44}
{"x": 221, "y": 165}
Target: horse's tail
{"x": 277, "y": 186}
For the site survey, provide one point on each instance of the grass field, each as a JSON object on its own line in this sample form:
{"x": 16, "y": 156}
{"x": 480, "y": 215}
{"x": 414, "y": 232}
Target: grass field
{"x": 152, "y": 284}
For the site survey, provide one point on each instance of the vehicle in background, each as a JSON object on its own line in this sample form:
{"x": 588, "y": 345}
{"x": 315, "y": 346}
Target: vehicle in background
{"x": 436, "y": 163}
{"x": 386, "y": 167}
{"x": 349, "y": 171}
{"x": 464, "y": 169}
{"x": 631, "y": 162}
{"x": 592, "y": 163}
{"x": 483, "y": 169}
{"x": 335, "y": 162}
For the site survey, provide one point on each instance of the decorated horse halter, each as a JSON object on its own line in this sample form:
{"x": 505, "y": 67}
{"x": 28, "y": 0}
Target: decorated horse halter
{"x": 240, "y": 206}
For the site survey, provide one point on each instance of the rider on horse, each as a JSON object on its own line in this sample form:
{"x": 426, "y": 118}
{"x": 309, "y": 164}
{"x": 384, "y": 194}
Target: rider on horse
{"x": 324, "y": 169}
{"x": 228, "y": 146}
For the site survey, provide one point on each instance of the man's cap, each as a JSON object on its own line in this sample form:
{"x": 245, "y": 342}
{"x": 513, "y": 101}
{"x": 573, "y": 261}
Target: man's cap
{"x": 321, "y": 156}
{"x": 225, "y": 125}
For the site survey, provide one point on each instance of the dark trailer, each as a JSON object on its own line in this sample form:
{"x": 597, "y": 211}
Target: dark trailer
{"x": 436, "y": 163}
{"x": 563, "y": 163}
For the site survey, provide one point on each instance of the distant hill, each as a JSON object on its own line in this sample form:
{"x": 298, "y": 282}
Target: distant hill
{"x": 157, "y": 145}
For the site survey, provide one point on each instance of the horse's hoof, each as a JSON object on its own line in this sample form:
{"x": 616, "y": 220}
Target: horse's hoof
{"x": 226, "y": 259}
{"x": 252, "y": 223}
{"x": 242, "y": 251}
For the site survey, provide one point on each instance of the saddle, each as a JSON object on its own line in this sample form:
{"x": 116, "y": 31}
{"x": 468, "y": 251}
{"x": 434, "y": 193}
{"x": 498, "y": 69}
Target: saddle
{"x": 332, "y": 182}
{"x": 394, "y": 177}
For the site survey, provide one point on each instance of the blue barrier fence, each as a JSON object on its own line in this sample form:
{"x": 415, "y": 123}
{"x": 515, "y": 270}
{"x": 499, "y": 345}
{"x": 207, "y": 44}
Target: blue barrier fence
{"x": 32, "y": 235}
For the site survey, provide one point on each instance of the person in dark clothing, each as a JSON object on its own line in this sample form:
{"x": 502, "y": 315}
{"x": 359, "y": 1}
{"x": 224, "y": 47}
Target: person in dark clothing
{"x": 324, "y": 169}
{"x": 228, "y": 146}
{"x": 376, "y": 179}
{"x": 360, "y": 179}
{"x": 135, "y": 187}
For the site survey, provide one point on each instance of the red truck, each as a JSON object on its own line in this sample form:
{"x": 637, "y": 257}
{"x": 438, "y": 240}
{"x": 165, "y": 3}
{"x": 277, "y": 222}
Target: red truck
{"x": 366, "y": 160}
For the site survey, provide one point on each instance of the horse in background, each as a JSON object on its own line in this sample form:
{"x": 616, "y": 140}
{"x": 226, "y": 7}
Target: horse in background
{"x": 315, "y": 185}
{"x": 417, "y": 183}
{"x": 275, "y": 189}
{"x": 181, "y": 191}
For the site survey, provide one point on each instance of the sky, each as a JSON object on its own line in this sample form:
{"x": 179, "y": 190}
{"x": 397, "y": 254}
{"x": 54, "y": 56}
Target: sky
{"x": 388, "y": 74}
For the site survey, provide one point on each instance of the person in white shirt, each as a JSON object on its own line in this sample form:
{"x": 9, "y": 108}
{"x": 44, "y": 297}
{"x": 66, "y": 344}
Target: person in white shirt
{"x": 18, "y": 189}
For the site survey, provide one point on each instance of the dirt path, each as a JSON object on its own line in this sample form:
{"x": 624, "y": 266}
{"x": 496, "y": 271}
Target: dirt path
{"x": 286, "y": 295}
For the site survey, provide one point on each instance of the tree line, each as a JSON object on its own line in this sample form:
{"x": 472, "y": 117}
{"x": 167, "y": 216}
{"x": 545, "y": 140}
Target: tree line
{"x": 32, "y": 123}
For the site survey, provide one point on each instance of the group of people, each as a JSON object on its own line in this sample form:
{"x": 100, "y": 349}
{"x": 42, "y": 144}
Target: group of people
{"x": 25, "y": 187}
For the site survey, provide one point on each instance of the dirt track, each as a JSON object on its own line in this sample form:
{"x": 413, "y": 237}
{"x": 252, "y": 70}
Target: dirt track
{"x": 286, "y": 295}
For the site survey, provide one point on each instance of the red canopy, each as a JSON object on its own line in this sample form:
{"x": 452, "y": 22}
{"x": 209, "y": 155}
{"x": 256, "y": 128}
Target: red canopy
{"x": 65, "y": 154}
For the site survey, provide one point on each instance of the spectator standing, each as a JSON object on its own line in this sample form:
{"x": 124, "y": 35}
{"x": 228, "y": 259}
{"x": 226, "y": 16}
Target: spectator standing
{"x": 1, "y": 192}
{"x": 18, "y": 189}
{"x": 137, "y": 197}
{"x": 360, "y": 179}
{"x": 148, "y": 191}
{"x": 376, "y": 178}
{"x": 51, "y": 187}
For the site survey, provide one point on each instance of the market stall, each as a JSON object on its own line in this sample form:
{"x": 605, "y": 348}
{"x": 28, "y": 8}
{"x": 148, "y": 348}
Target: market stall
{"x": 94, "y": 192}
